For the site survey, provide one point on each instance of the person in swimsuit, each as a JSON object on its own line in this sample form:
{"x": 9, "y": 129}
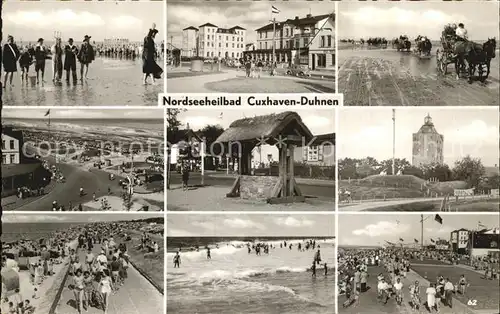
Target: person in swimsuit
{"x": 462, "y": 284}
{"x": 88, "y": 288}
{"x": 177, "y": 260}
{"x": 78, "y": 285}
{"x": 106, "y": 287}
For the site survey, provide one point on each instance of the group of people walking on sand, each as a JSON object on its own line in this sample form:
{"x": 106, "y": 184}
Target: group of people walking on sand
{"x": 26, "y": 56}
{"x": 85, "y": 54}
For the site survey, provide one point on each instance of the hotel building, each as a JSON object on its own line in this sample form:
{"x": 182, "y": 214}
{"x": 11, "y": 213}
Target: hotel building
{"x": 211, "y": 41}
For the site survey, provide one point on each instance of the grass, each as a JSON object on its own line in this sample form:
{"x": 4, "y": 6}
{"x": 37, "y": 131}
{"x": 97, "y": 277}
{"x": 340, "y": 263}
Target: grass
{"x": 403, "y": 186}
{"x": 269, "y": 85}
{"x": 171, "y": 75}
{"x": 486, "y": 292}
{"x": 148, "y": 263}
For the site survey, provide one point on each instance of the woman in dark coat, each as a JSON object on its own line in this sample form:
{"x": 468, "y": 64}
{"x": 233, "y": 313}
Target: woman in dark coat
{"x": 10, "y": 56}
{"x": 149, "y": 65}
{"x": 86, "y": 55}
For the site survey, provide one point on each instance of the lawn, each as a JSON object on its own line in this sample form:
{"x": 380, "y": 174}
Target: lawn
{"x": 485, "y": 205}
{"x": 271, "y": 85}
{"x": 151, "y": 264}
{"x": 171, "y": 75}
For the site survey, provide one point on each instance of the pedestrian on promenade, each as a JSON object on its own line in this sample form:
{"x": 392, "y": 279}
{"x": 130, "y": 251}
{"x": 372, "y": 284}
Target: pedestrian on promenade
{"x": 85, "y": 56}
{"x": 106, "y": 287}
{"x": 57, "y": 63}
{"x": 10, "y": 56}
{"x": 185, "y": 177}
{"x": 77, "y": 286}
{"x": 70, "y": 53}
{"x": 149, "y": 65}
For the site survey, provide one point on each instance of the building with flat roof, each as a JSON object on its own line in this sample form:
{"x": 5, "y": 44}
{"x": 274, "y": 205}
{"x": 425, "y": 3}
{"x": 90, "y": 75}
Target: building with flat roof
{"x": 211, "y": 41}
{"x": 307, "y": 41}
{"x": 476, "y": 243}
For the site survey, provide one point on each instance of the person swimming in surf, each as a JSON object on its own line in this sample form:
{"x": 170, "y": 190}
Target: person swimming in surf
{"x": 326, "y": 270}
{"x": 317, "y": 257}
{"x": 313, "y": 269}
{"x": 177, "y": 260}
{"x": 208, "y": 253}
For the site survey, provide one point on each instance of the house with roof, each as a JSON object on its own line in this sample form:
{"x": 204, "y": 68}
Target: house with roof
{"x": 308, "y": 40}
{"x": 211, "y": 41}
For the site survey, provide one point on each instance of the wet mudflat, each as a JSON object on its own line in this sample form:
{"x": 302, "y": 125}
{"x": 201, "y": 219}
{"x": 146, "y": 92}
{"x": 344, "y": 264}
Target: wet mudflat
{"x": 390, "y": 78}
{"x": 111, "y": 82}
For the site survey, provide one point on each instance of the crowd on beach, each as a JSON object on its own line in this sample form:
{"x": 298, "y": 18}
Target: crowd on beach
{"x": 264, "y": 247}
{"x": 396, "y": 265}
{"x": 66, "y": 56}
{"x": 94, "y": 278}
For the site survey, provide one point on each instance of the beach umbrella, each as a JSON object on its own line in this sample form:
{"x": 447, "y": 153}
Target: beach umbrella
{"x": 10, "y": 281}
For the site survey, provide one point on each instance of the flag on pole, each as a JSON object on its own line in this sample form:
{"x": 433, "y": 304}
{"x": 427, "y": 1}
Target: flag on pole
{"x": 274, "y": 10}
{"x": 47, "y": 113}
{"x": 416, "y": 241}
{"x": 480, "y": 225}
{"x": 220, "y": 116}
{"x": 432, "y": 240}
{"x": 401, "y": 239}
{"x": 438, "y": 219}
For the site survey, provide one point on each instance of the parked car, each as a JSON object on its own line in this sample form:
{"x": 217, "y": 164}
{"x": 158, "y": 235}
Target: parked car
{"x": 298, "y": 70}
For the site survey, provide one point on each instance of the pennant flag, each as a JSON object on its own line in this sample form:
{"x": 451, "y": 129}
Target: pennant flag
{"x": 416, "y": 241}
{"x": 390, "y": 243}
{"x": 481, "y": 225}
{"x": 274, "y": 10}
{"x": 432, "y": 240}
{"x": 401, "y": 239}
{"x": 220, "y": 116}
{"x": 438, "y": 219}
{"x": 47, "y": 113}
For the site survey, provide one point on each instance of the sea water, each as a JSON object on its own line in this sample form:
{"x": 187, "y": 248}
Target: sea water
{"x": 235, "y": 281}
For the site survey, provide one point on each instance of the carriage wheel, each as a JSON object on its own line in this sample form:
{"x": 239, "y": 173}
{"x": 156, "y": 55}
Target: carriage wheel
{"x": 444, "y": 62}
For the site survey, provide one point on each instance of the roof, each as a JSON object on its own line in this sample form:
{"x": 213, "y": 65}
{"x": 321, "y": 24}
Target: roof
{"x": 226, "y": 30}
{"x": 17, "y": 134}
{"x": 238, "y": 27}
{"x": 308, "y": 20}
{"x": 428, "y": 126}
{"x": 12, "y": 170}
{"x": 326, "y": 139}
{"x": 190, "y": 27}
{"x": 207, "y": 24}
{"x": 266, "y": 126}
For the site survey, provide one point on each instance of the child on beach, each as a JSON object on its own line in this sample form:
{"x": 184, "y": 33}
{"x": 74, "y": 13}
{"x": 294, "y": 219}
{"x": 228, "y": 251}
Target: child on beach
{"x": 12, "y": 309}
{"x": 25, "y": 60}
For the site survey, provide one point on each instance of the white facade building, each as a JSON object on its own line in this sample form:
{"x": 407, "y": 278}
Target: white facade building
{"x": 10, "y": 150}
{"x": 211, "y": 41}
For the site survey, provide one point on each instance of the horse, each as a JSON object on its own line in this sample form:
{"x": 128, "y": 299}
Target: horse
{"x": 424, "y": 46}
{"x": 475, "y": 55}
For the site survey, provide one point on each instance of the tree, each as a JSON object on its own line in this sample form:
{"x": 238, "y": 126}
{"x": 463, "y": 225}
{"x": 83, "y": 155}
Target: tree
{"x": 470, "y": 170}
{"x": 441, "y": 172}
{"x": 347, "y": 168}
{"x": 414, "y": 171}
{"x": 399, "y": 164}
{"x": 173, "y": 125}
{"x": 211, "y": 133}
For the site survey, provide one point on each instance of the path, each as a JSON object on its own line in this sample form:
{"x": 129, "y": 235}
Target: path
{"x": 136, "y": 296}
{"x": 377, "y": 204}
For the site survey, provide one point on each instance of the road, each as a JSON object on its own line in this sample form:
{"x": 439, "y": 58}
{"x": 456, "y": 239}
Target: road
{"x": 320, "y": 191}
{"x": 136, "y": 296}
{"x": 390, "y": 78}
{"x": 95, "y": 181}
{"x": 376, "y": 204}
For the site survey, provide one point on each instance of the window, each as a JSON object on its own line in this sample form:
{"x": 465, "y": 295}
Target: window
{"x": 219, "y": 52}
{"x": 232, "y": 54}
{"x": 297, "y": 43}
{"x": 12, "y": 144}
{"x": 213, "y": 37}
{"x": 286, "y": 32}
{"x": 12, "y": 158}
{"x": 329, "y": 40}
{"x": 219, "y": 37}
{"x": 212, "y": 53}
{"x": 322, "y": 44}
{"x": 227, "y": 45}
{"x": 208, "y": 37}
{"x": 260, "y": 35}
{"x": 260, "y": 45}
{"x": 237, "y": 55}
{"x": 265, "y": 44}
{"x": 212, "y": 44}
{"x": 233, "y": 45}
{"x": 220, "y": 45}
{"x": 3, "y": 144}
{"x": 208, "y": 54}
{"x": 312, "y": 153}
{"x": 233, "y": 38}
{"x": 227, "y": 38}
{"x": 266, "y": 34}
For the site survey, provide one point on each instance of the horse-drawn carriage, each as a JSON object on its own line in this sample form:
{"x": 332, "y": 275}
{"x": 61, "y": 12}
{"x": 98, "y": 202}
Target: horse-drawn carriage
{"x": 466, "y": 55}
{"x": 402, "y": 43}
{"x": 423, "y": 47}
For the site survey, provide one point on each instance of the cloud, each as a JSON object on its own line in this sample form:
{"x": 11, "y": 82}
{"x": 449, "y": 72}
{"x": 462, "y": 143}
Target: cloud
{"x": 382, "y": 228}
{"x": 396, "y": 16}
{"x": 315, "y": 122}
{"x": 476, "y": 132}
{"x": 126, "y": 21}
{"x": 198, "y": 122}
{"x": 179, "y": 233}
{"x": 293, "y": 222}
{"x": 64, "y": 19}
{"x": 15, "y": 218}
{"x": 203, "y": 224}
{"x": 238, "y": 223}
{"x": 442, "y": 230}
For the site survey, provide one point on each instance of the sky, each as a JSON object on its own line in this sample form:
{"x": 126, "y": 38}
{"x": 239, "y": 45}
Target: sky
{"x": 390, "y": 19}
{"x": 72, "y": 218}
{"x": 466, "y": 131}
{"x": 29, "y": 20}
{"x": 319, "y": 121}
{"x": 375, "y": 229}
{"x": 251, "y": 225}
{"x": 250, "y": 15}
{"x": 35, "y": 113}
